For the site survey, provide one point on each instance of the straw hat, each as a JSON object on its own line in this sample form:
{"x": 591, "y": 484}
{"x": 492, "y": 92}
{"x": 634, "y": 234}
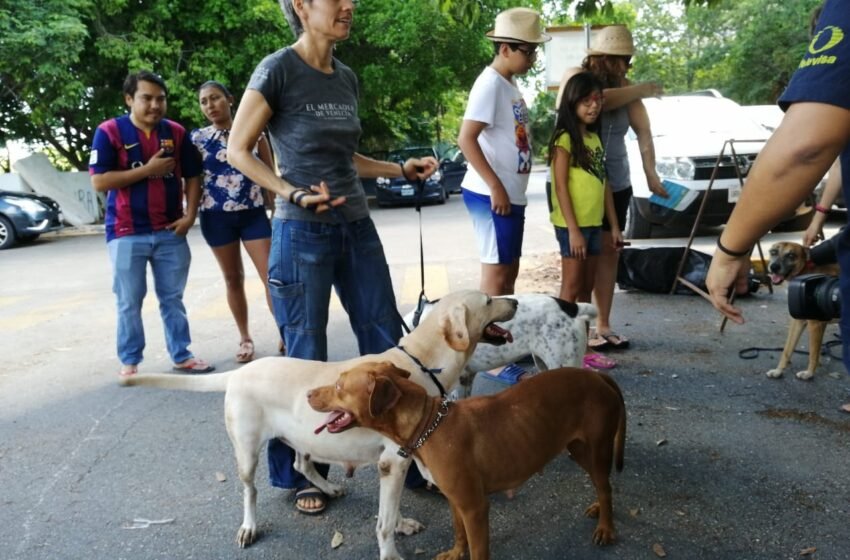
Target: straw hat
{"x": 613, "y": 40}
{"x": 518, "y": 25}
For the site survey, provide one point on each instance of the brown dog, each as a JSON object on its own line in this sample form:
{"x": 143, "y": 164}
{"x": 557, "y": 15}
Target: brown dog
{"x": 787, "y": 260}
{"x": 482, "y": 445}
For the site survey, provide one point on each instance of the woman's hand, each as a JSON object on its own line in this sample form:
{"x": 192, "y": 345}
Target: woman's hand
{"x": 422, "y": 168}
{"x": 617, "y": 239}
{"x": 318, "y": 198}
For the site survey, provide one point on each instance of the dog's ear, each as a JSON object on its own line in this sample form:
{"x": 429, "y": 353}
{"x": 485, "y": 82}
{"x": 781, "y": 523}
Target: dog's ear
{"x": 453, "y": 324}
{"x": 390, "y": 368}
{"x": 383, "y": 397}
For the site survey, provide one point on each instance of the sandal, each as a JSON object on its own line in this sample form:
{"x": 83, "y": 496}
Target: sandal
{"x": 308, "y": 493}
{"x": 609, "y": 340}
{"x": 128, "y": 370}
{"x": 511, "y": 374}
{"x": 194, "y": 365}
{"x": 844, "y": 407}
{"x": 246, "y": 351}
{"x": 597, "y": 361}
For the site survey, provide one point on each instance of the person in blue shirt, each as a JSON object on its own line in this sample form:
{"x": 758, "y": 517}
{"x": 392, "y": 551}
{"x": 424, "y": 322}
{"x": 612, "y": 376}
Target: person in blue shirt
{"x": 814, "y": 131}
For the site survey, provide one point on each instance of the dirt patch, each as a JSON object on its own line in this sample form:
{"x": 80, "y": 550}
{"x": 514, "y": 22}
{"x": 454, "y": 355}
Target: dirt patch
{"x": 540, "y": 274}
{"x": 805, "y": 416}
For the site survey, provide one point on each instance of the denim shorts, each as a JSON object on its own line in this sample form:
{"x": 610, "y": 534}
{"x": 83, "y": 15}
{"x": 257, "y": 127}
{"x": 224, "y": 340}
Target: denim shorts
{"x": 223, "y": 228}
{"x": 592, "y": 237}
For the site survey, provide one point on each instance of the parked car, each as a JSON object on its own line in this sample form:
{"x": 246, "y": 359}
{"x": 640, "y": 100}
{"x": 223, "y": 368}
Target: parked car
{"x": 25, "y": 216}
{"x": 688, "y": 132}
{"x": 452, "y": 168}
{"x": 391, "y": 191}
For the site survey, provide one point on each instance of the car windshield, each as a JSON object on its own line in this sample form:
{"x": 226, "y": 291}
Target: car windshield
{"x": 403, "y": 155}
{"x": 676, "y": 116}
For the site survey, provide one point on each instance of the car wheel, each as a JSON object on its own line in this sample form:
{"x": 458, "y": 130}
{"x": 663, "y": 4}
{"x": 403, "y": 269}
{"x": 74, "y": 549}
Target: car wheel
{"x": 7, "y": 233}
{"x": 443, "y": 196}
{"x": 637, "y": 227}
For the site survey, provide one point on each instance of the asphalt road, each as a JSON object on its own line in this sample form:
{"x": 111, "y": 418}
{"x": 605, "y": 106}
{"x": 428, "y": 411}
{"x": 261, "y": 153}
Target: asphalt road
{"x": 721, "y": 462}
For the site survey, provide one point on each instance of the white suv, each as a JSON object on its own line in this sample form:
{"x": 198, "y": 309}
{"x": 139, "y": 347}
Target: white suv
{"x": 688, "y": 132}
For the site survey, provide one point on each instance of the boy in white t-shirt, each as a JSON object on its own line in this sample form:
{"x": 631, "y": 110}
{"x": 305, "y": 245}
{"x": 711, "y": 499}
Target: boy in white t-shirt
{"x": 495, "y": 140}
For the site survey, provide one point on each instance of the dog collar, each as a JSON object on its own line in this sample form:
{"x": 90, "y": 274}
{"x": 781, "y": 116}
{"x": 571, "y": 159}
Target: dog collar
{"x": 442, "y": 410}
{"x": 431, "y": 372}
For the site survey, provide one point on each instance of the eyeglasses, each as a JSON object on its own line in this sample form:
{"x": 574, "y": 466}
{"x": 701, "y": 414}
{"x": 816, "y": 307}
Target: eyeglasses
{"x": 528, "y": 52}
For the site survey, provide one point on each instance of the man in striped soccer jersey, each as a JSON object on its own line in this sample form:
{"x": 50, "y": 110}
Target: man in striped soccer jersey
{"x": 144, "y": 162}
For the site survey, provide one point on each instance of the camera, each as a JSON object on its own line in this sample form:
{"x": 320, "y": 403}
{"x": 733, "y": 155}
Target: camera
{"x": 814, "y": 296}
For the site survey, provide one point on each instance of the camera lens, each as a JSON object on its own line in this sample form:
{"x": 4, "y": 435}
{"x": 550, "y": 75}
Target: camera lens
{"x": 814, "y": 296}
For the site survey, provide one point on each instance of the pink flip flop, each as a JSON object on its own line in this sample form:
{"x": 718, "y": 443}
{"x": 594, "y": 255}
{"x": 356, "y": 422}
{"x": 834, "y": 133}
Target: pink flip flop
{"x": 598, "y": 361}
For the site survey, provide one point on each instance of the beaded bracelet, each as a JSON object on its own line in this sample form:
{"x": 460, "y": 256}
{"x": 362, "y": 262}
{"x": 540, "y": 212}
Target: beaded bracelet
{"x": 821, "y": 209}
{"x": 736, "y": 254}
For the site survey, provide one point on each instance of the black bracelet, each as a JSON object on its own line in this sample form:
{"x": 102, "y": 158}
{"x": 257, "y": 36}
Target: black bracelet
{"x": 403, "y": 174}
{"x": 736, "y": 254}
{"x": 296, "y": 195}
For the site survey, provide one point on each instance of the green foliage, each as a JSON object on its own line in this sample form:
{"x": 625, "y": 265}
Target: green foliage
{"x": 542, "y": 118}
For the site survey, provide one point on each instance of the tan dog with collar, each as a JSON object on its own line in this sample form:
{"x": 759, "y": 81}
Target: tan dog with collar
{"x": 787, "y": 260}
{"x": 477, "y": 446}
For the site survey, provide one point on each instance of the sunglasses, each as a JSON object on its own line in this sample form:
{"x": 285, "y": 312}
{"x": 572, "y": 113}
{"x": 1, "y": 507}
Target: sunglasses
{"x": 528, "y": 52}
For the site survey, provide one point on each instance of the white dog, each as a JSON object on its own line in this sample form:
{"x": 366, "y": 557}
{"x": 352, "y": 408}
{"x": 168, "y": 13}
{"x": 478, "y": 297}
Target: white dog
{"x": 552, "y": 330}
{"x": 268, "y": 398}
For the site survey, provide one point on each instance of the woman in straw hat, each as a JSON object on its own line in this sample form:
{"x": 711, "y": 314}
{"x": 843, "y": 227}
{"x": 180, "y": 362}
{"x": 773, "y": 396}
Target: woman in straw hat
{"x": 308, "y": 99}
{"x": 609, "y": 58}
{"x": 496, "y": 141}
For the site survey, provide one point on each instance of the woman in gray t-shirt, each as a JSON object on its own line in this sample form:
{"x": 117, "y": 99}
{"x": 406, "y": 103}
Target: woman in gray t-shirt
{"x": 308, "y": 101}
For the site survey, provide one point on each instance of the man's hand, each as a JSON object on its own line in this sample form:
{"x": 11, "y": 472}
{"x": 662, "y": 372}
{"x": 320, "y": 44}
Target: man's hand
{"x": 651, "y": 89}
{"x": 182, "y": 226}
{"x": 500, "y": 203}
{"x": 724, "y": 274}
{"x": 159, "y": 166}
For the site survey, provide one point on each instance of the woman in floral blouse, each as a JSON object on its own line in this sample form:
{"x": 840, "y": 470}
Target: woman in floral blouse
{"x": 233, "y": 208}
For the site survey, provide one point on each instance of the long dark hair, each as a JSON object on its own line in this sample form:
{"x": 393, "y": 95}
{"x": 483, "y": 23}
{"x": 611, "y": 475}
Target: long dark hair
{"x": 578, "y": 87}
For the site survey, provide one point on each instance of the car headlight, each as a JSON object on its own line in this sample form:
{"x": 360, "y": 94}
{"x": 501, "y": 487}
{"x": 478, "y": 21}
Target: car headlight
{"x": 437, "y": 176}
{"x": 676, "y": 168}
{"x": 382, "y": 182}
{"x": 27, "y": 205}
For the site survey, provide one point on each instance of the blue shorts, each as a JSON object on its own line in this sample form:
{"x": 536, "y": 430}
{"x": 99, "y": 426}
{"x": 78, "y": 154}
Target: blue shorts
{"x": 592, "y": 237}
{"x": 499, "y": 237}
{"x": 223, "y": 228}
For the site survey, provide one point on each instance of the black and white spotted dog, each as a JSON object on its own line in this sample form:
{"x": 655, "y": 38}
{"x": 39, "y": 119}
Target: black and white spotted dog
{"x": 552, "y": 330}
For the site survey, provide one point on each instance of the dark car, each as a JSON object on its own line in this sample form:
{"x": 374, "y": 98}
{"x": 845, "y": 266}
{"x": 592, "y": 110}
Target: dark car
{"x": 452, "y": 169}
{"x": 398, "y": 190}
{"x": 25, "y": 216}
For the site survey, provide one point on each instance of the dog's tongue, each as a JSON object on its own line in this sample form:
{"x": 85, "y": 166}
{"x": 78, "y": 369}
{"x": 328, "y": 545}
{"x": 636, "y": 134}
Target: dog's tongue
{"x": 776, "y": 279}
{"x": 495, "y": 330}
{"x": 332, "y": 417}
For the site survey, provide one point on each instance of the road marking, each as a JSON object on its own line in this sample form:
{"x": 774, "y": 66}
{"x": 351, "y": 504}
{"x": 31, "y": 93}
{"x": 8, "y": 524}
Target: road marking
{"x": 36, "y": 315}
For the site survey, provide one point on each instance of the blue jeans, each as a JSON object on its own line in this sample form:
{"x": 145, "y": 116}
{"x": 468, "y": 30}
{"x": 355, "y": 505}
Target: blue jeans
{"x": 169, "y": 257}
{"x": 308, "y": 259}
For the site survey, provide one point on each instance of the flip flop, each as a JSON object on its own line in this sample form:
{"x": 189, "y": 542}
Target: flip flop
{"x": 511, "y": 374}
{"x": 194, "y": 365}
{"x": 246, "y": 352}
{"x": 598, "y": 361}
{"x": 610, "y": 340}
{"x": 311, "y": 492}
{"x": 128, "y": 371}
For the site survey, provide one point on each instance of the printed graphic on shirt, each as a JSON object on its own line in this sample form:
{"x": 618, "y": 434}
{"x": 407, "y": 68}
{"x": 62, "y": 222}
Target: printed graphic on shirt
{"x": 826, "y": 40}
{"x": 331, "y": 111}
{"x": 597, "y": 163}
{"x": 523, "y": 143}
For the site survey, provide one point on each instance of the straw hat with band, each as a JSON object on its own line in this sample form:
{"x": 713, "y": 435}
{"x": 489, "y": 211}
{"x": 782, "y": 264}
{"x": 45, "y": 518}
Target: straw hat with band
{"x": 614, "y": 40}
{"x": 518, "y": 25}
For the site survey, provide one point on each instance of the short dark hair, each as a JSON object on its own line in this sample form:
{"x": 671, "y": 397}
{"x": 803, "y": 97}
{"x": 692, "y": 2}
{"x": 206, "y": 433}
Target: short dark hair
{"x": 131, "y": 82}
{"x": 218, "y": 85}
